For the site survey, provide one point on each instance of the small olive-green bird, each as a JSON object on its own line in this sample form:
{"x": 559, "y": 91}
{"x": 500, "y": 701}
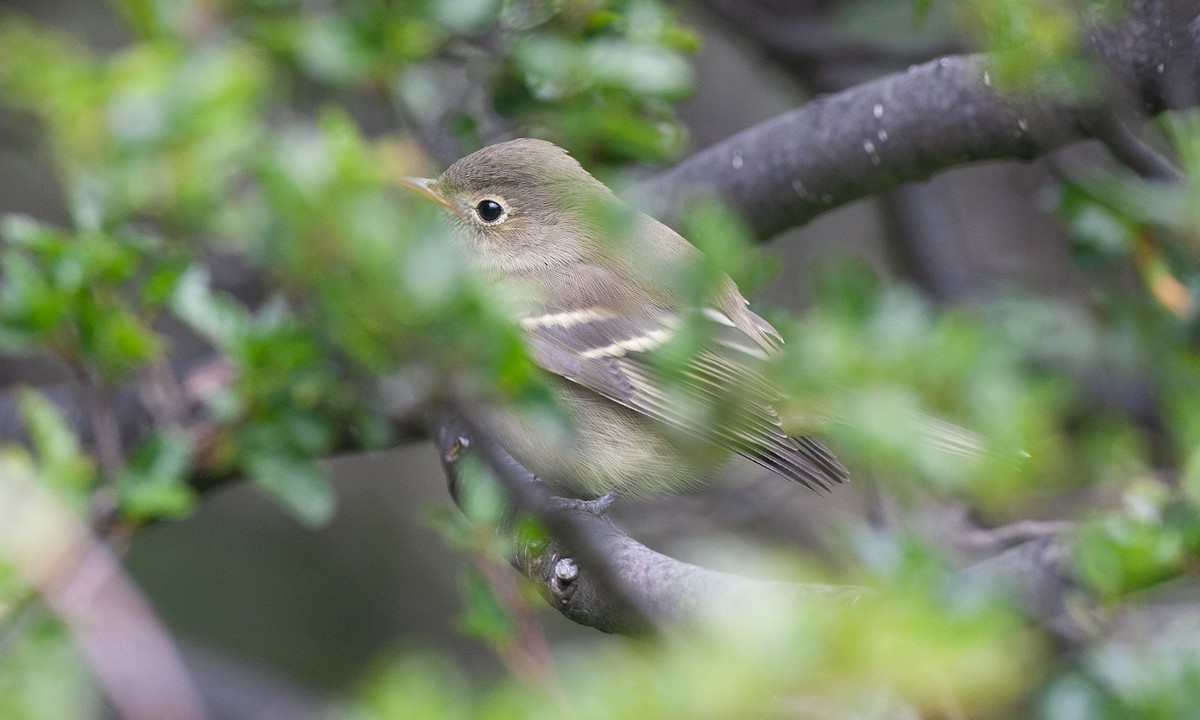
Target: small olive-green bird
{"x": 597, "y": 307}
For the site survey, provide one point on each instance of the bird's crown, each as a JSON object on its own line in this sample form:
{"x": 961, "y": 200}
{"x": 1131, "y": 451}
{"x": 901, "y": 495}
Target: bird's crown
{"x": 522, "y": 164}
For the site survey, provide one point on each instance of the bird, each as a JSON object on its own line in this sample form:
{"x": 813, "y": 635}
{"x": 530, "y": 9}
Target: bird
{"x": 600, "y": 292}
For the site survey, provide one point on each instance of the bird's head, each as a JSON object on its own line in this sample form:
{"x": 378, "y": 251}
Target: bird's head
{"x": 523, "y": 204}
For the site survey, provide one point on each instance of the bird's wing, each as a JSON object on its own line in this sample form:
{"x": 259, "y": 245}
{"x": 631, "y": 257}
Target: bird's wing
{"x": 716, "y": 395}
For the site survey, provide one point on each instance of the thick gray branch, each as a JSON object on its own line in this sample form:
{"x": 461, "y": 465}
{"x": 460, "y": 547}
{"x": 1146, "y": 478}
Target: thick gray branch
{"x": 907, "y": 126}
{"x": 672, "y": 591}
{"x": 1154, "y": 55}
{"x": 596, "y": 575}
{"x": 872, "y": 137}
{"x": 591, "y": 571}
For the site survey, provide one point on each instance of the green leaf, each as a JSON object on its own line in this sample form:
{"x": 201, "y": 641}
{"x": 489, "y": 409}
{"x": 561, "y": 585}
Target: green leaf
{"x": 921, "y": 10}
{"x": 299, "y": 484}
{"x": 420, "y": 686}
{"x": 641, "y": 69}
{"x": 154, "y": 483}
{"x": 55, "y": 444}
{"x": 468, "y": 17}
{"x": 42, "y": 673}
{"x": 480, "y": 496}
{"x": 118, "y": 341}
{"x": 449, "y": 522}
{"x": 145, "y": 16}
{"x": 21, "y": 229}
{"x": 1143, "y": 544}
{"x": 162, "y": 282}
{"x": 217, "y": 317}
{"x": 485, "y": 617}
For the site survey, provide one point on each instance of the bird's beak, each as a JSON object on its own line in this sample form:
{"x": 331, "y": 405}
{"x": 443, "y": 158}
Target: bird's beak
{"x": 427, "y": 188}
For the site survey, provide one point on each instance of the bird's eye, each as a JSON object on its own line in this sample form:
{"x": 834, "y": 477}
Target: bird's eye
{"x": 489, "y": 211}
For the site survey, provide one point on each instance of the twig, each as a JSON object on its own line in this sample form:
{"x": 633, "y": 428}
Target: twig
{"x": 161, "y": 393}
{"x": 1015, "y": 533}
{"x": 18, "y": 616}
{"x": 1135, "y": 152}
{"x": 526, "y": 654}
{"x": 132, "y": 416}
{"x": 105, "y": 428}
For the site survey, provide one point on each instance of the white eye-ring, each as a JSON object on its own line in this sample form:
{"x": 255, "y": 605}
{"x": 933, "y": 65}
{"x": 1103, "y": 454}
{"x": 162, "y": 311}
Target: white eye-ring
{"x": 489, "y": 211}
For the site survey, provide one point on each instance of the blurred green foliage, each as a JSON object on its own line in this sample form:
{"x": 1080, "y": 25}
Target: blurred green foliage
{"x": 202, "y": 132}
{"x": 243, "y": 128}
{"x": 1039, "y": 45}
{"x": 42, "y": 490}
{"x": 914, "y": 645}
{"x": 41, "y": 673}
{"x": 89, "y": 296}
{"x": 1118, "y": 221}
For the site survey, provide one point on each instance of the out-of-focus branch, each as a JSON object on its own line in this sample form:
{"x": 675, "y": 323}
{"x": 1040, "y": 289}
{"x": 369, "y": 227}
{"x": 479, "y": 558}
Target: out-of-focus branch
{"x": 807, "y": 40}
{"x": 909, "y": 125}
{"x": 1135, "y": 153}
{"x": 236, "y": 689}
{"x": 1155, "y": 53}
{"x": 83, "y": 583}
{"x": 137, "y": 409}
{"x": 803, "y": 43}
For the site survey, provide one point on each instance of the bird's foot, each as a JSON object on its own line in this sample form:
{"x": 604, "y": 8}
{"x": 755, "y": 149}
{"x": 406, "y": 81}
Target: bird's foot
{"x": 595, "y": 506}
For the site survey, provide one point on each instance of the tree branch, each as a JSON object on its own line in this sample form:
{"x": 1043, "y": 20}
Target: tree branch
{"x": 869, "y": 138}
{"x": 622, "y": 610}
{"x": 591, "y": 571}
{"x": 138, "y": 409}
{"x": 1155, "y": 53}
{"x": 594, "y": 573}
{"x": 1138, "y": 155}
{"x": 82, "y": 582}
{"x": 907, "y": 126}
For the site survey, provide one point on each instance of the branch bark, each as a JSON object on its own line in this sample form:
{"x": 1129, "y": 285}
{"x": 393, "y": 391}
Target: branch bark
{"x": 907, "y": 126}
{"x": 591, "y": 571}
{"x": 596, "y": 575}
